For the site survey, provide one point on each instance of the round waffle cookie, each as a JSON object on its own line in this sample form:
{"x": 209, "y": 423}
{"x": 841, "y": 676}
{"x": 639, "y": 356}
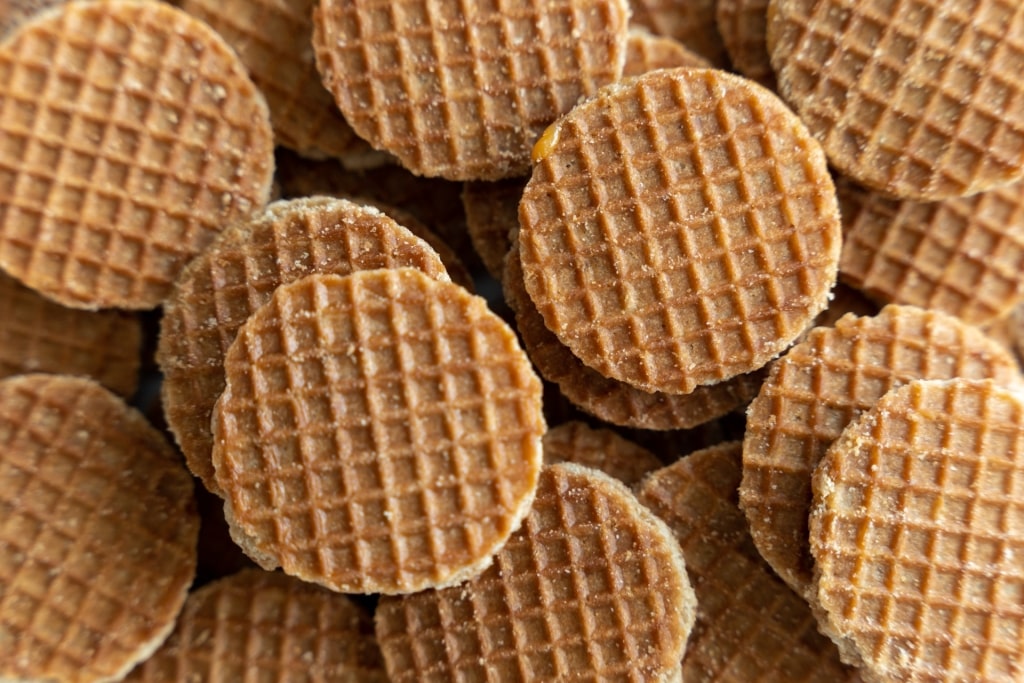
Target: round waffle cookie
{"x": 492, "y": 217}
{"x": 592, "y": 587}
{"x": 609, "y": 399}
{"x": 679, "y": 229}
{"x": 820, "y": 386}
{"x": 750, "y": 628}
{"x": 238, "y": 273}
{"x": 920, "y": 100}
{"x": 692, "y": 23}
{"x": 130, "y": 135}
{"x": 463, "y": 88}
{"x": 34, "y": 337}
{"x": 273, "y": 39}
{"x": 98, "y": 532}
{"x": 743, "y": 25}
{"x": 601, "y": 449}
{"x": 917, "y": 531}
{"x": 378, "y": 433}
{"x": 646, "y": 52}
{"x": 262, "y": 626}
{"x": 961, "y": 256}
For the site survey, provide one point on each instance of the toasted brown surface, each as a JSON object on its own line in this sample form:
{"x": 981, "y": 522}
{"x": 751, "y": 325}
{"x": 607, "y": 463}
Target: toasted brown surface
{"x": 692, "y": 23}
{"x": 743, "y": 25}
{"x": 492, "y": 218}
{"x": 601, "y": 449}
{"x": 647, "y": 52}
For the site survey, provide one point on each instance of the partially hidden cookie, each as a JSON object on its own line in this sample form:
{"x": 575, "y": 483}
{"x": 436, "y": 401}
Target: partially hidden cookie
{"x": 492, "y": 218}
{"x": 962, "y": 256}
{"x": 750, "y": 626}
{"x": 238, "y": 273}
{"x": 601, "y": 449}
{"x": 257, "y": 625}
{"x": 743, "y": 26}
{"x": 38, "y": 335}
{"x": 647, "y": 52}
{"x": 378, "y": 433}
{"x": 13, "y": 13}
{"x": 462, "y": 89}
{"x": 692, "y": 23}
{"x": 130, "y": 136}
{"x": 98, "y": 531}
{"x": 917, "y": 531}
{"x": 679, "y": 229}
{"x": 919, "y": 100}
{"x": 821, "y": 385}
{"x": 593, "y": 587}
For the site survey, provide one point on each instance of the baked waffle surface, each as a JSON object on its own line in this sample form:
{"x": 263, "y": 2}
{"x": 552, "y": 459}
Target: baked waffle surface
{"x": 379, "y": 432}
{"x": 492, "y": 217}
{"x": 238, "y": 273}
{"x": 743, "y": 25}
{"x": 646, "y": 52}
{"x": 98, "y": 532}
{"x": 679, "y": 229}
{"x": 274, "y": 40}
{"x": 819, "y": 387}
{"x": 129, "y": 136}
{"x": 917, "y": 532}
{"x": 263, "y": 626}
{"x": 14, "y": 13}
{"x": 692, "y": 23}
{"x": 601, "y": 449}
{"x": 608, "y": 399}
{"x": 34, "y": 337}
{"x": 750, "y": 626}
{"x": 462, "y": 90}
{"x": 962, "y": 256}
{"x": 592, "y": 587}
{"x": 920, "y": 100}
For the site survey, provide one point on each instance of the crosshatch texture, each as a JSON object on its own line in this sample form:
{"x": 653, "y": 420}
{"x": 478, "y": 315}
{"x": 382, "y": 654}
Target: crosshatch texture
{"x": 238, "y": 273}
{"x": 592, "y": 587}
{"x": 818, "y": 388}
{"x": 98, "y": 531}
{"x": 692, "y": 23}
{"x": 921, "y": 99}
{"x": 379, "y": 432}
{"x": 601, "y": 449}
{"x": 917, "y": 531}
{"x": 646, "y": 52}
{"x": 462, "y": 89}
{"x": 743, "y": 25}
{"x": 679, "y": 229}
{"x": 115, "y": 166}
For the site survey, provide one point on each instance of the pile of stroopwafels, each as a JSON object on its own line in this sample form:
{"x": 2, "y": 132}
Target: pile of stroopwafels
{"x": 741, "y": 400}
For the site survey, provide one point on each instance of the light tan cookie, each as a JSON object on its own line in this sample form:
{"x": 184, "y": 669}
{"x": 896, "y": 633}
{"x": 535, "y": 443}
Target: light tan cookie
{"x": 601, "y": 449}
{"x": 679, "y": 229}
{"x": 98, "y": 532}
{"x": 917, "y": 531}
{"x": 593, "y": 587}
{"x": 130, "y": 135}
{"x": 462, "y": 89}
{"x": 378, "y": 433}
{"x": 920, "y": 100}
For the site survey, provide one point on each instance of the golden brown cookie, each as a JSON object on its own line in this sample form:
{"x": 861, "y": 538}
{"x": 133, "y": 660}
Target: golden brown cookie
{"x": 679, "y": 229}
{"x": 378, "y": 433}
{"x": 462, "y": 89}
{"x": 608, "y": 399}
{"x": 917, "y": 532}
{"x": 646, "y": 52}
{"x": 256, "y": 626}
{"x": 238, "y": 273}
{"x": 273, "y": 38}
{"x": 691, "y": 22}
{"x": 38, "y": 335}
{"x": 492, "y": 218}
{"x": 130, "y": 135}
{"x": 14, "y": 13}
{"x": 743, "y": 26}
{"x": 919, "y": 100}
{"x": 601, "y": 449}
{"x": 751, "y": 628}
{"x": 821, "y": 385}
{"x": 591, "y": 588}
{"x": 961, "y": 256}
{"x": 98, "y": 532}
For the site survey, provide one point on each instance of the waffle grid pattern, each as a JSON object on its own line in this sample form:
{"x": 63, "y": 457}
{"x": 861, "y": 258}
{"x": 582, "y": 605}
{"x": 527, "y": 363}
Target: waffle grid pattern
{"x": 608, "y": 399}
{"x": 745, "y": 249}
{"x": 692, "y": 23}
{"x": 601, "y": 449}
{"x": 17, "y": 12}
{"x": 34, "y": 338}
{"x": 378, "y": 433}
{"x": 273, "y": 38}
{"x": 97, "y": 532}
{"x": 931, "y": 591}
{"x": 743, "y": 25}
{"x": 462, "y": 89}
{"x": 259, "y": 626}
{"x": 492, "y": 217}
{"x": 750, "y": 626}
{"x": 124, "y": 148}
{"x": 921, "y": 98}
{"x": 961, "y": 256}
{"x": 645, "y": 52}
{"x": 237, "y": 274}
{"x": 819, "y": 387}
{"x": 587, "y": 588}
